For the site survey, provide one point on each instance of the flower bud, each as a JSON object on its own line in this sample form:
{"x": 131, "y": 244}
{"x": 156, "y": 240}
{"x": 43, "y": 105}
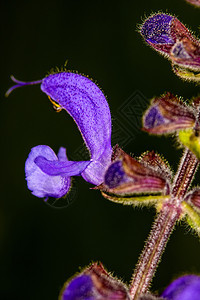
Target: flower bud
{"x": 168, "y": 114}
{"x": 94, "y": 283}
{"x": 170, "y": 37}
{"x": 128, "y": 175}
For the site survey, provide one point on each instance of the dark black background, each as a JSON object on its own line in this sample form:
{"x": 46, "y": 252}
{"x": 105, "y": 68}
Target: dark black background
{"x": 41, "y": 247}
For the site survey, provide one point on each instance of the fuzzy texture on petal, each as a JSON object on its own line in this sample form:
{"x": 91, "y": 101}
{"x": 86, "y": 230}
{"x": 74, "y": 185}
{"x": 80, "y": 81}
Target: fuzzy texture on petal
{"x": 80, "y": 288}
{"x": 156, "y": 29}
{"x": 87, "y": 105}
{"x": 41, "y": 184}
{"x": 184, "y": 288}
{"x": 115, "y": 175}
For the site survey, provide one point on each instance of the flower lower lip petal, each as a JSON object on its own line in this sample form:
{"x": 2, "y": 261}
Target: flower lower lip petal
{"x": 66, "y": 168}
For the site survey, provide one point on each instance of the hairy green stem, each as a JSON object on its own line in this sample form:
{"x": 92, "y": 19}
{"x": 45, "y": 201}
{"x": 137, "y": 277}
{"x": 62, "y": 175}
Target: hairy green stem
{"x": 163, "y": 227}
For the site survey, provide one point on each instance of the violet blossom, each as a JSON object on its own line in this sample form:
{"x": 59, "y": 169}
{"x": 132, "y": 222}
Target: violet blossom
{"x": 49, "y": 175}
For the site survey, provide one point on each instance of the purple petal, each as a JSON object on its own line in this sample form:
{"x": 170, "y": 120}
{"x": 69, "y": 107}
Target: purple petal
{"x": 156, "y": 29}
{"x": 87, "y": 105}
{"x": 178, "y": 51}
{"x": 153, "y": 118}
{"x": 56, "y": 167}
{"x": 41, "y": 184}
{"x": 95, "y": 171}
{"x": 184, "y": 288}
{"x": 115, "y": 175}
{"x": 62, "y": 156}
{"x": 80, "y": 288}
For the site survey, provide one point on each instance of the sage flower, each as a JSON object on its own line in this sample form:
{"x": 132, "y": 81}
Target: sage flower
{"x": 49, "y": 175}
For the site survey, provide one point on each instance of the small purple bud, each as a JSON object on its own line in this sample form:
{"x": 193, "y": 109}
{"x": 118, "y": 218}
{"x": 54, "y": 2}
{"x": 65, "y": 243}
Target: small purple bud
{"x": 169, "y": 36}
{"x": 168, "y": 114}
{"x": 95, "y": 284}
{"x": 184, "y": 288}
{"x": 156, "y": 29}
{"x": 128, "y": 176}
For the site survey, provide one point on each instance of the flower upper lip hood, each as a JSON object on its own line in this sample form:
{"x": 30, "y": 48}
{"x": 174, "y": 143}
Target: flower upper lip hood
{"x": 87, "y": 105}
{"x": 48, "y": 174}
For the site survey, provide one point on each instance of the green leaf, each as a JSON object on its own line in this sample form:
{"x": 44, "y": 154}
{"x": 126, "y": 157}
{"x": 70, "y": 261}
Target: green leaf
{"x": 138, "y": 200}
{"x": 190, "y": 140}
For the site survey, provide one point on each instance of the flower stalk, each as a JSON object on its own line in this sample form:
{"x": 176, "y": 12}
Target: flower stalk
{"x": 163, "y": 227}
{"x": 155, "y": 245}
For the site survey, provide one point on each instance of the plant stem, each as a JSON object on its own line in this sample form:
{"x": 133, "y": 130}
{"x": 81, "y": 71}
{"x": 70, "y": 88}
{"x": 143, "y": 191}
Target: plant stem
{"x": 184, "y": 175}
{"x": 163, "y": 227}
{"x": 159, "y": 235}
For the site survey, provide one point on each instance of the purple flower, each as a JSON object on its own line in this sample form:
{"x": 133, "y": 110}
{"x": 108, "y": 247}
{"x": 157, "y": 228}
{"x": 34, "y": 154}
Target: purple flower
{"x": 48, "y": 175}
{"x": 184, "y": 288}
{"x": 94, "y": 283}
